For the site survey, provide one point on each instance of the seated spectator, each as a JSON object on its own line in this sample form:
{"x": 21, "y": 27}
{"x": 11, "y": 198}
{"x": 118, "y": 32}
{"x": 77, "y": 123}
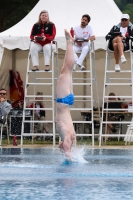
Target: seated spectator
{"x": 43, "y": 32}
{"x": 39, "y": 114}
{"x": 82, "y": 34}
{"x": 112, "y": 104}
{"x": 119, "y": 39}
{"x": 5, "y": 107}
{"x": 19, "y": 105}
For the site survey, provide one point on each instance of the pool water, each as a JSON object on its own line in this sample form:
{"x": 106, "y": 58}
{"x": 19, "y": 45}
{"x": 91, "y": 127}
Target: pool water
{"x": 37, "y": 174}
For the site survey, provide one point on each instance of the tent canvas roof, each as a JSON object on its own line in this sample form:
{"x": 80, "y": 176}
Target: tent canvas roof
{"x": 65, "y": 14}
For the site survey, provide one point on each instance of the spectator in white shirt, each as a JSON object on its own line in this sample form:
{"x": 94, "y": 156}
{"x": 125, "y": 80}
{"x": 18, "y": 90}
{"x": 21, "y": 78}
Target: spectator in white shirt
{"x": 82, "y": 34}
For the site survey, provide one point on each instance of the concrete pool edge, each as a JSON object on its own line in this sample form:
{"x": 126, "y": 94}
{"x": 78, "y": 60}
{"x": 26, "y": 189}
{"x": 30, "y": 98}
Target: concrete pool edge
{"x": 78, "y": 146}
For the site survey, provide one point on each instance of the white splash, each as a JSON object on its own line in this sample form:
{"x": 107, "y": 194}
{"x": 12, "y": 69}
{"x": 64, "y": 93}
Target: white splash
{"x": 77, "y": 155}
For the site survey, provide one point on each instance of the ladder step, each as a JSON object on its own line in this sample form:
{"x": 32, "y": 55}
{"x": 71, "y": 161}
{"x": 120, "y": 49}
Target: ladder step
{"x": 122, "y": 71}
{"x": 113, "y": 135}
{"x": 129, "y": 79}
{"x": 83, "y": 109}
{"x": 122, "y": 110}
{"x": 51, "y": 84}
{"x": 72, "y": 108}
{"x": 37, "y": 134}
{"x": 86, "y": 100}
{"x": 39, "y": 108}
{"x": 82, "y": 84}
{"x": 49, "y": 121}
{"x": 84, "y": 96}
{"x": 85, "y": 134}
{"x": 30, "y": 96}
{"x": 82, "y": 122}
{"x": 83, "y": 79}
{"x": 86, "y": 110}
{"x": 37, "y": 121}
{"x": 116, "y": 122}
{"x": 44, "y": 78}
{"x": 119, "y": 97}
{"x": 79, "y": 71}
{"x": 118, "y": 83}
{"x": 39, "y": 84}
{"x": 89, "y": 100}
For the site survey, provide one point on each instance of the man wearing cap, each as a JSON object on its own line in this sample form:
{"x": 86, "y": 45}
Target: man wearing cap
{"x": 120, "y": 43}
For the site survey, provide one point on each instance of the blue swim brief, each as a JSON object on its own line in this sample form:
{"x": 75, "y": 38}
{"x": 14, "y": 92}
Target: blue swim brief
{"x": 66, "y": 100}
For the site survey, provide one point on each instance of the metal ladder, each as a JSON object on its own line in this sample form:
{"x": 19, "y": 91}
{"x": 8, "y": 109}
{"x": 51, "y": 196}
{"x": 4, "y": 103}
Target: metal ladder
{"x": 47, "y": 82}
{"x": 89, "y": 76}
{"x": 110, "y": 80}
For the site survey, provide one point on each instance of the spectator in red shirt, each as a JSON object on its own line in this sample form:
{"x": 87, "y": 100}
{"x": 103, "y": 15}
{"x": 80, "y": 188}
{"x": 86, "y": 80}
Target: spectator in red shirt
{"x": 42, "y": 33}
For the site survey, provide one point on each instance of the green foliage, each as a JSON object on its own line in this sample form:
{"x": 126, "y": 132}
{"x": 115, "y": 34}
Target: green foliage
{"x": 129, "y": 9}
{"x": 126, "y": 6}
{"x": 12, "y": 11}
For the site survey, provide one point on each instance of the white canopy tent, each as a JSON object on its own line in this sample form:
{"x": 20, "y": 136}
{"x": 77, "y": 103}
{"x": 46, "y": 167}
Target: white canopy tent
{"x": 65, "y": 14}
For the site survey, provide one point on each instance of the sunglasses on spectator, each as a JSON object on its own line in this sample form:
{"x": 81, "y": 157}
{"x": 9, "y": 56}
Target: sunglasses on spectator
{"x": 2, "y": 93}
{"x": 124, "y": 19}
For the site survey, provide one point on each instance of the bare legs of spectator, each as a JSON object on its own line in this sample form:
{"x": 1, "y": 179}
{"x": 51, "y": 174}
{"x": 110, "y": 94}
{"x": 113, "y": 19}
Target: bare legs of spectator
{"x": 118, "y": 52}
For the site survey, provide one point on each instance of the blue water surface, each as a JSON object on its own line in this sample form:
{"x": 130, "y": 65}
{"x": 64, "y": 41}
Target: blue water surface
{"x": 36, "y": 174}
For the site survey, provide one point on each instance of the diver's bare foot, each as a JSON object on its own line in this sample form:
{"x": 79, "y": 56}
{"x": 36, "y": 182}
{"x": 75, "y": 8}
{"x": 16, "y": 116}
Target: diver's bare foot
{"x": 67, "y": 35}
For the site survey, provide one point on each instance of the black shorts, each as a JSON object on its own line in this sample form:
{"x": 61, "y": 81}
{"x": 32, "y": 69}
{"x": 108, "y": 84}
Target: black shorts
{"x": 126, "y": 45}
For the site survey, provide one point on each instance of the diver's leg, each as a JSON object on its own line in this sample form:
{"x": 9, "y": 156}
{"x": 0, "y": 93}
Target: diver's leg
{"x": 64, "y": 84}
{"x": 69, "y": 55}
